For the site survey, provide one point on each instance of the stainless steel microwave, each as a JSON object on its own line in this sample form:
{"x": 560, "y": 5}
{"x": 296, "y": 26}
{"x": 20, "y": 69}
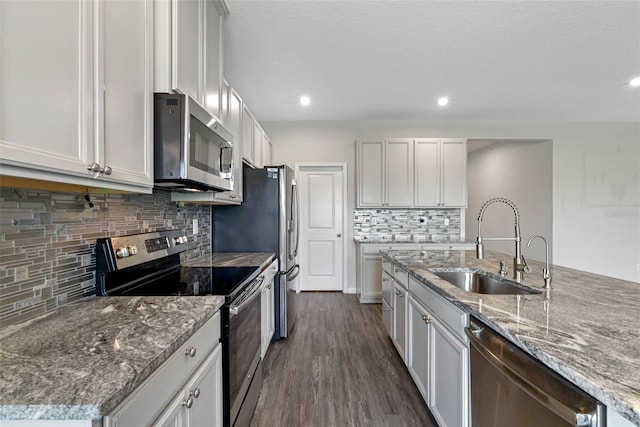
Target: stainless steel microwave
{"x": 192, "y": 150}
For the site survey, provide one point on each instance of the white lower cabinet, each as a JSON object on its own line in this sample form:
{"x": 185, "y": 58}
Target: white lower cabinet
{"x": 267, "y": 307}
{"x": 186, "y": 390}
{"x": 399, "y": 336}
{"x": 449, "y": 394}
{"x": 200, "y": 401}
{"x": 428, "y": 333}
{"x": 419, "y": 332}
{"x": 369, "y": 269}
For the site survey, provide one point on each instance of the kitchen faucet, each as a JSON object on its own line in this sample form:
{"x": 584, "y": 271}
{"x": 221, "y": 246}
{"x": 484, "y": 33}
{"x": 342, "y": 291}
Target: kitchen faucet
{"x": 519, "y": 263}
{"x": 545, "y": 272}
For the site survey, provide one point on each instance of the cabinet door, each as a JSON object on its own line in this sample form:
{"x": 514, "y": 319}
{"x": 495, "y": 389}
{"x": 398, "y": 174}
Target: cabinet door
{"x": 454, "y": 173}
{"x": 206, "y": 390}
{"x": 173, "y": 415}
{"x": 212, "y": 73}
{"x": 124, "y": 117}
{"x": 187, "y": 55}
{"x": 235, "y": 127}
{"x": 371, "y": 173}
{"x": 371, "y": 275}
{"x": 449, "y": 394}
{"x": 419, "y": 334}
{"x": 46, "y": 79}
{"x": 400, "y": 319}
{"x": 427, "y": 172}
{"x": 399, "y": 173}
{"x": 247, "y": 135}
{"x": 387, "y": 321}
{"x": 266, "y": 150}
{"x": 257, "y": 144}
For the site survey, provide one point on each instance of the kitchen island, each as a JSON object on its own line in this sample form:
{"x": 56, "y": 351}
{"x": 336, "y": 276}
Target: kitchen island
{"x": 586, "y": 328}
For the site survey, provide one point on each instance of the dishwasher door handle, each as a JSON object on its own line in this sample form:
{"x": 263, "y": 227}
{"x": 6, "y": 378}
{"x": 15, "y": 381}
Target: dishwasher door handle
{"x": 488, "y": 344}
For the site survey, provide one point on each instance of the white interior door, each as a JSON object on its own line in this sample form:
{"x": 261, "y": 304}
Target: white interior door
{"x": 321, "y": 227}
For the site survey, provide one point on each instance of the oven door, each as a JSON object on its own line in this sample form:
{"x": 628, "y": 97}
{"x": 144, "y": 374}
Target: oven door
{"x": 244, "y": 349}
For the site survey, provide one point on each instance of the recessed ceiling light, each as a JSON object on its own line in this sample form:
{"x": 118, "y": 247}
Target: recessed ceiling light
{"x": 305, "y": 101}
{"x": 443, "y": 101}
{"x": 635, "y": 82}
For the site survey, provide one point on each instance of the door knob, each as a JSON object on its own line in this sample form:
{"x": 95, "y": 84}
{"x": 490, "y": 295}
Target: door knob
{"x": 339, "y": 235}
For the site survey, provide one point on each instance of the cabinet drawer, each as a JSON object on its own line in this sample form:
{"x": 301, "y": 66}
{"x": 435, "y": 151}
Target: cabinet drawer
{"x": 451, "y": 316}
{"x": 401, "y": 276}
{"x": 150, "y": 398}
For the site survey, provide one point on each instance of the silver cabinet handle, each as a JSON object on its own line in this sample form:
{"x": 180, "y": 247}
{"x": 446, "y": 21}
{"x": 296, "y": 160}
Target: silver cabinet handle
{"x": 426, "y": 319}
{"x": 195, "y": 393}
{"x": 106, "y": 170}
{"x": 93, "y": 167}
{"x": 191, "y": 352}
{"x": 339, "y": 235}
{"x": 188, "y": 403}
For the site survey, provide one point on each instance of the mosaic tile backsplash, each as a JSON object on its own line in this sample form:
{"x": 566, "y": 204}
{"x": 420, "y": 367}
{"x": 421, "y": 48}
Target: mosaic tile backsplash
{"x": 406, "y": 225}
{"x": 47, "y": 242}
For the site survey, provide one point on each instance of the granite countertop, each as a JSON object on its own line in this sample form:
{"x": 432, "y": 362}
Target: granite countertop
{"x": 83, "y": 360}
{"x": 231, "y": 259}
{"x": 586, "y": 328}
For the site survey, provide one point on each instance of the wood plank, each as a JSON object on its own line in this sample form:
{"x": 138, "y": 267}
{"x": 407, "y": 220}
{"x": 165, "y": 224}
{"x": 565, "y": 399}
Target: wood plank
{"x": 338, "y": 368}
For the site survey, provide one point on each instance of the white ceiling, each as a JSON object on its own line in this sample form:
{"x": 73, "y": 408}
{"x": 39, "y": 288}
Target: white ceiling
{"x": 392, "y": 59}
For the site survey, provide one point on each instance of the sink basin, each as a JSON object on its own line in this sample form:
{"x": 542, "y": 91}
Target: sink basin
{"x": 482, "y": 282}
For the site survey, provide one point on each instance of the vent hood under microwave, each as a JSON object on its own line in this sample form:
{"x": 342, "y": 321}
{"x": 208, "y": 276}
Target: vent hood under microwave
{"x": 192, "y": 150}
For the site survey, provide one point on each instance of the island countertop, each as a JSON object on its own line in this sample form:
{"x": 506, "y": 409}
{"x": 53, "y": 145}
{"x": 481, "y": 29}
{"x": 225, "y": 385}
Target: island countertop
{"x": 83, "y": 360}
{"x": 586, "y": 328}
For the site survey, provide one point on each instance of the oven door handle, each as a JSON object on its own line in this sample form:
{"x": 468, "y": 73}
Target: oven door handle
{"x": 239, "y": 308}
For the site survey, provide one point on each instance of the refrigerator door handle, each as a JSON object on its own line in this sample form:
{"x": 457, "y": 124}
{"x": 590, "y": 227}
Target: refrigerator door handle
{"x": 294, "y": 222}
{"x": 293, "y": 272}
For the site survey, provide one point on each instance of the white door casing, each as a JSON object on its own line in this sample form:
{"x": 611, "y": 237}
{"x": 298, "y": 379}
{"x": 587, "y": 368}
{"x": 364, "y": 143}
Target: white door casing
{"x": 322, "y": 189}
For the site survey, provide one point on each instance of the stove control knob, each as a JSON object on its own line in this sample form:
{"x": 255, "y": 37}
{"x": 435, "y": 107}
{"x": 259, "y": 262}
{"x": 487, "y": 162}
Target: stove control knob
{"x": 180, "y": 240}
{"x": 122, "y": 252}
{"x": 133, "y": 250}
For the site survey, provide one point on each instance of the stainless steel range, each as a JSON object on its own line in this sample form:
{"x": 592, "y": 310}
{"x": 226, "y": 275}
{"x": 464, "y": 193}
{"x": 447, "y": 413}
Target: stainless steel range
{"x": 149, "y": 264}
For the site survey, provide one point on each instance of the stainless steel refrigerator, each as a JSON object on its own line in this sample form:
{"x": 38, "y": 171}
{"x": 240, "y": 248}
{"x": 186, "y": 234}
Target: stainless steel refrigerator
{"x": 266, "y": 221}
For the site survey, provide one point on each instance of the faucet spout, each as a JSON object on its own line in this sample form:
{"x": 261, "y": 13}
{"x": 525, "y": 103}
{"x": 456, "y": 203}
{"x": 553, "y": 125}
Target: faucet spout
{"x": 519, "y": 262}
{"x": 546, "y": 275}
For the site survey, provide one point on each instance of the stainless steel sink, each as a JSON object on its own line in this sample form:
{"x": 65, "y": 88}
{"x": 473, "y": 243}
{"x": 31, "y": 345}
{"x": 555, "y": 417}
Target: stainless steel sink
{"x": 482, "y": 282}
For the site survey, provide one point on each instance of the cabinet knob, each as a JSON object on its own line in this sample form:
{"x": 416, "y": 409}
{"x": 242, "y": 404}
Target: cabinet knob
{"x": 195, "y": 393}
{"x": 93, "y": 167}
{"x": 188, "y": 403}
{"x": 339, "y": 235}
{"x": 106, "y": 170}
{"x": 191, "y": 352}
{"x": 426, "y": 319}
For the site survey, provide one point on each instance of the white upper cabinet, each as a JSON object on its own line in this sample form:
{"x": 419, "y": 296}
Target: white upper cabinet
{"x": 258, "y": 136}
{"x": 425, "y": 172}
{"x": 267, "y": 148}
{"x": 440, "y": 172}
{"x": 385, "y": 173}
{"x": 248, "y": 144}
{"x": 188, "y": 49}
{"x": 93, "y": 126}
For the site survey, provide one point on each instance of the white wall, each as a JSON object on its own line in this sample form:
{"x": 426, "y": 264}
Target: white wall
{"x": 596, "y": 182}
{"x": 521, "y": 171}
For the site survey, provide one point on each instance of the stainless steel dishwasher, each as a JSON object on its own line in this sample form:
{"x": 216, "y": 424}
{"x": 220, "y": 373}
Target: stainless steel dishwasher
{"x": 510, "y": 388}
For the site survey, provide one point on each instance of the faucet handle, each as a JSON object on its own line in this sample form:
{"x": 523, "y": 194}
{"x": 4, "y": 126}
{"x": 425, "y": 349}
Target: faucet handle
{"x": 526, "y": 268}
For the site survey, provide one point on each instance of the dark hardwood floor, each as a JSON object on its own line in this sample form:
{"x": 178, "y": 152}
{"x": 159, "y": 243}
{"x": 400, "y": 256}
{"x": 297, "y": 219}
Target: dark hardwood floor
{"x": 338, "y": 368}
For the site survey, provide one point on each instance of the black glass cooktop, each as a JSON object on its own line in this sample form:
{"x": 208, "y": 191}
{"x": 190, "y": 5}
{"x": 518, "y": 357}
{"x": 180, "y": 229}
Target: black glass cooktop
{"x": 186, "y": 281}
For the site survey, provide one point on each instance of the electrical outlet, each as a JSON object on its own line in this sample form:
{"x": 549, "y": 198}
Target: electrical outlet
{"x": 195, "y": 226}
{"x": 446, "y": 222}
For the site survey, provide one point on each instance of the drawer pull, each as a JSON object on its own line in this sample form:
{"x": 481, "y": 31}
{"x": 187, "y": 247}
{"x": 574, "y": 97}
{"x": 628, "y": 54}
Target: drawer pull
{"x": 426, "y": 319}
{"x": 188, "y": 403}
{"x": 191, "y": 352}
{"x": 195, "y": 393}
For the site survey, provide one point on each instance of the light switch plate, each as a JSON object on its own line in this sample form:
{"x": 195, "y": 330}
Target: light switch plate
{"x": 195, "y": 226}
